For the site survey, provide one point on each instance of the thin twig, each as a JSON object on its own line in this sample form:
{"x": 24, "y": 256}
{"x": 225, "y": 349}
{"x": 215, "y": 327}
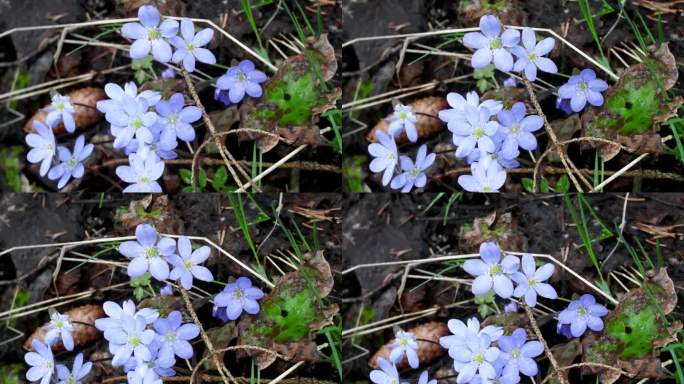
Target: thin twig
{"x": 552, "y": 359}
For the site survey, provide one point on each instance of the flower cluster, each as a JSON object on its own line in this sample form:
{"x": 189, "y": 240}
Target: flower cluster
{"x": 491, "y": 45}
{"x": 147, "y": 129}
{"x": 386, "y": 156}
{"x": 57, "y": 162}
{"x": 152, "y": 34}
{"x": 42, "y": 361}
{"x": 487, "y": 354}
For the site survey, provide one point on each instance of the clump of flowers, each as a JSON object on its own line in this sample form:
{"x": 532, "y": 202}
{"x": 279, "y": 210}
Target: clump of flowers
{"x": 43, "y": 364}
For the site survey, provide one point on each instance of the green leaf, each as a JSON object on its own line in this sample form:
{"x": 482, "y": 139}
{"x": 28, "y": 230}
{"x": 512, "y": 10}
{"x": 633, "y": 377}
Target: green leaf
{"x": 563, "y": 184}
{"x": 527, "y": 184}
{"x": 186, "y": 176}
{"x": 202, "y": 179}
{"x": 544, "y": 185}
{"x": 220, "y": 178}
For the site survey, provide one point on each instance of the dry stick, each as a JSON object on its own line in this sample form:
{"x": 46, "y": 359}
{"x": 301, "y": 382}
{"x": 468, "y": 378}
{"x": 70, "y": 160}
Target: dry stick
{"x": 210, "y": 125}
{"x": 552, "y": 135}
{"x": 212, "y": 378}
{"x": 303, "y": 165}
{"x": 205, "y": 337}
{"x": 552, "y": 359}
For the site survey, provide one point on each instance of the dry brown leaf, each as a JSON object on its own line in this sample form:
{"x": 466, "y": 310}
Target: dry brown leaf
{"x": 427, "y": 122}
{"x": 83, "y": 320}
{"x": 84, "y": 115}
{"x": 428, "y": 351}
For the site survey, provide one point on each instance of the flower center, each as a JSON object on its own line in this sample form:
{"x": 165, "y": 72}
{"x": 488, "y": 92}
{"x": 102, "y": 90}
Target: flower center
{"x": 486, "y": 189}
{"x": 190, "y": 47}
{"x": 402, "y": 115}
{"x": 144, "y": 180}
{"x": 49, "y": 364}
{"x": 172, "y": 119}
{"x": 393, "y": 381}
{"x": 71, "y": 380}
{"x": 532, "y": 282}
{"x": 137, "y": 123}
{"x": 582, "y": 86}
{"x": 135, "y": 341}
{"x": 479, "y": 358}
{"x": 478, "y": 132}
{"x": 241, "y": 76}
{"x": 154, "y": 34}
{"x": 515, "y": 128}
{"x": 496, "y": 43}
{"x": 414, "y": 172}
{"x": 49, "y": 147}
{"x": 238, "y": 293}
{"x": 515, "y": 354}
{"x": 403, "y": 342}
{"x": 151, "y": 251}
{"x": 532, "y": 56}
{"x": 495, "y": 269}
{"x": 171, "y": 336}
{"x": 188, "y": 264}
{"x": 59, "y": 106}
{"x": 73, "y": 162}
{"x": 582, "y": 311}
{"x": 59, "y": 324}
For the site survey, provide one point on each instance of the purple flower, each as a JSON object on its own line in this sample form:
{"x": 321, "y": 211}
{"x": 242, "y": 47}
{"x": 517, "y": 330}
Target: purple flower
{"x": 475, "y": 131}
{"x": 511, "y": 82}
{"x": 174, "y": 336}
{"x": 518, "y": 353}
{"x": 497, "y": 156}
{"x": 147, "y": 254}
{"x": 531, "y": 281}
{"x": 115, "y": 312}
{"x": 582, "y": 313}
{"x": 490, "y": 44}
{"x": 403, "y": 119}
{"x": 386, "y": 156}
{"x": 404, "y": 344}
{"x": 176, "y": 119}
{"x": 582, "y": 88}
{"x": 189, "y": 47}
{"x": 131, "y": 339}
{"x": 238, "y": 80}
{"x": 141, "y": 174}
{"x": 530, "y": 55}
{"x": 492, "y": 271}
{"x": 477, "y": 356}
{"x": 166, "y": 290}
{"x": 487, "y": 176}
{"x": 158, "y": 149}
{"x": 168, "y": 73}
{"x": 42, "y": 363}
{"x": 61, "y": 109}
{"x": 236, "y": 297}
{"x": 413, "y": 173}
{"x": 114, "y": 105}
{"x": 148, "y": 372}
{"x": 423, "y": 379}
{"x": 459, "y": 330}
{"x": 134, "y": 121}
{"x": 387, "y": 374}
{"x": 43, "y": 146}
{"x": 511, "y": 307}
{"x": 454, "y": 115}
{"x": 518, "y": 129}
{"x": 564, "y": 105}
{"x": 149, "y": 34}
{"x": 564, "y": 329}
{"x": 70, "y": 164}
{"x": 76, "y": 374}
{"x": 60, "y": 327}
{"x": 187, "y": 264}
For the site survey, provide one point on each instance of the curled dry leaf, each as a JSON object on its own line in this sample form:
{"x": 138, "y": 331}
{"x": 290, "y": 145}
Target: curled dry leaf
{"x": 502, "y": 229}
{"x": 83, "y": 320}
{"x": 85, "y": 111}
{"x": 427, "y": 336}
{"x": 428, "y": 123}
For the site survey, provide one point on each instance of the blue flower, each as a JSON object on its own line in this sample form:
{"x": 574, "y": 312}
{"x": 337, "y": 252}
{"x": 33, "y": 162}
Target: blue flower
{"x": 60, "y": 327}
{"x": 42, "y": 363}
{"x": 150, "y": 35}
{"x": 173, "y": 336}
{"x": 423, "y": 379}
{"x": 490, "y": 44}
{"x": 243, "y": 78}
{"x": 496, "y": 156}
{"x": 148, "y": 254}
{"x": 487, "y": 176}
{"x": 477, "y": 356}
{"x": 77, "y": 373}
{"x": 115, "y": 312}
{"x": 187, "y": 264}
{"x": 492, "y": 271}
{"x": 459, "y": 330}
{"x": 176, "y": 119}
{"x": 61, "y": 110}
{"x": 71, "y": 164}
{"x": 511, "y": 307}
{"x": 189, "y": 46}
{"x": 454, "y": 115}
{"x": 141, "y": 174}
{"x": 531, "y": 281}
{"x": 43, "y": 146}
{"x": 114, "y": 105}
{"x": 404, "y": 344}
{"x": 134, "y": 121}
{"x": 511, "y": 82}
{"x": 475, "y": 131}
{"x": 582, "y": 88}
{"x": 151, "y": 371}
{"x": 582, "y": 313}
{"x": 531, "y": 55}
{"x": 131, "y": 339}
{"x": 518, "y": 129}
{"x": 387, "y": 374}
{"x": 166, "y": 290}
{"x": 386, "y": 156}
{"x": 518, "y": 353}
{"x": 168, "y": 73}
{"x": 403, "y": 119}
{"x": 235, "y": 298}
{"x": 413, "y": 173}
{"x": 564, "y": 105}
{"x": 158, "y": 149}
